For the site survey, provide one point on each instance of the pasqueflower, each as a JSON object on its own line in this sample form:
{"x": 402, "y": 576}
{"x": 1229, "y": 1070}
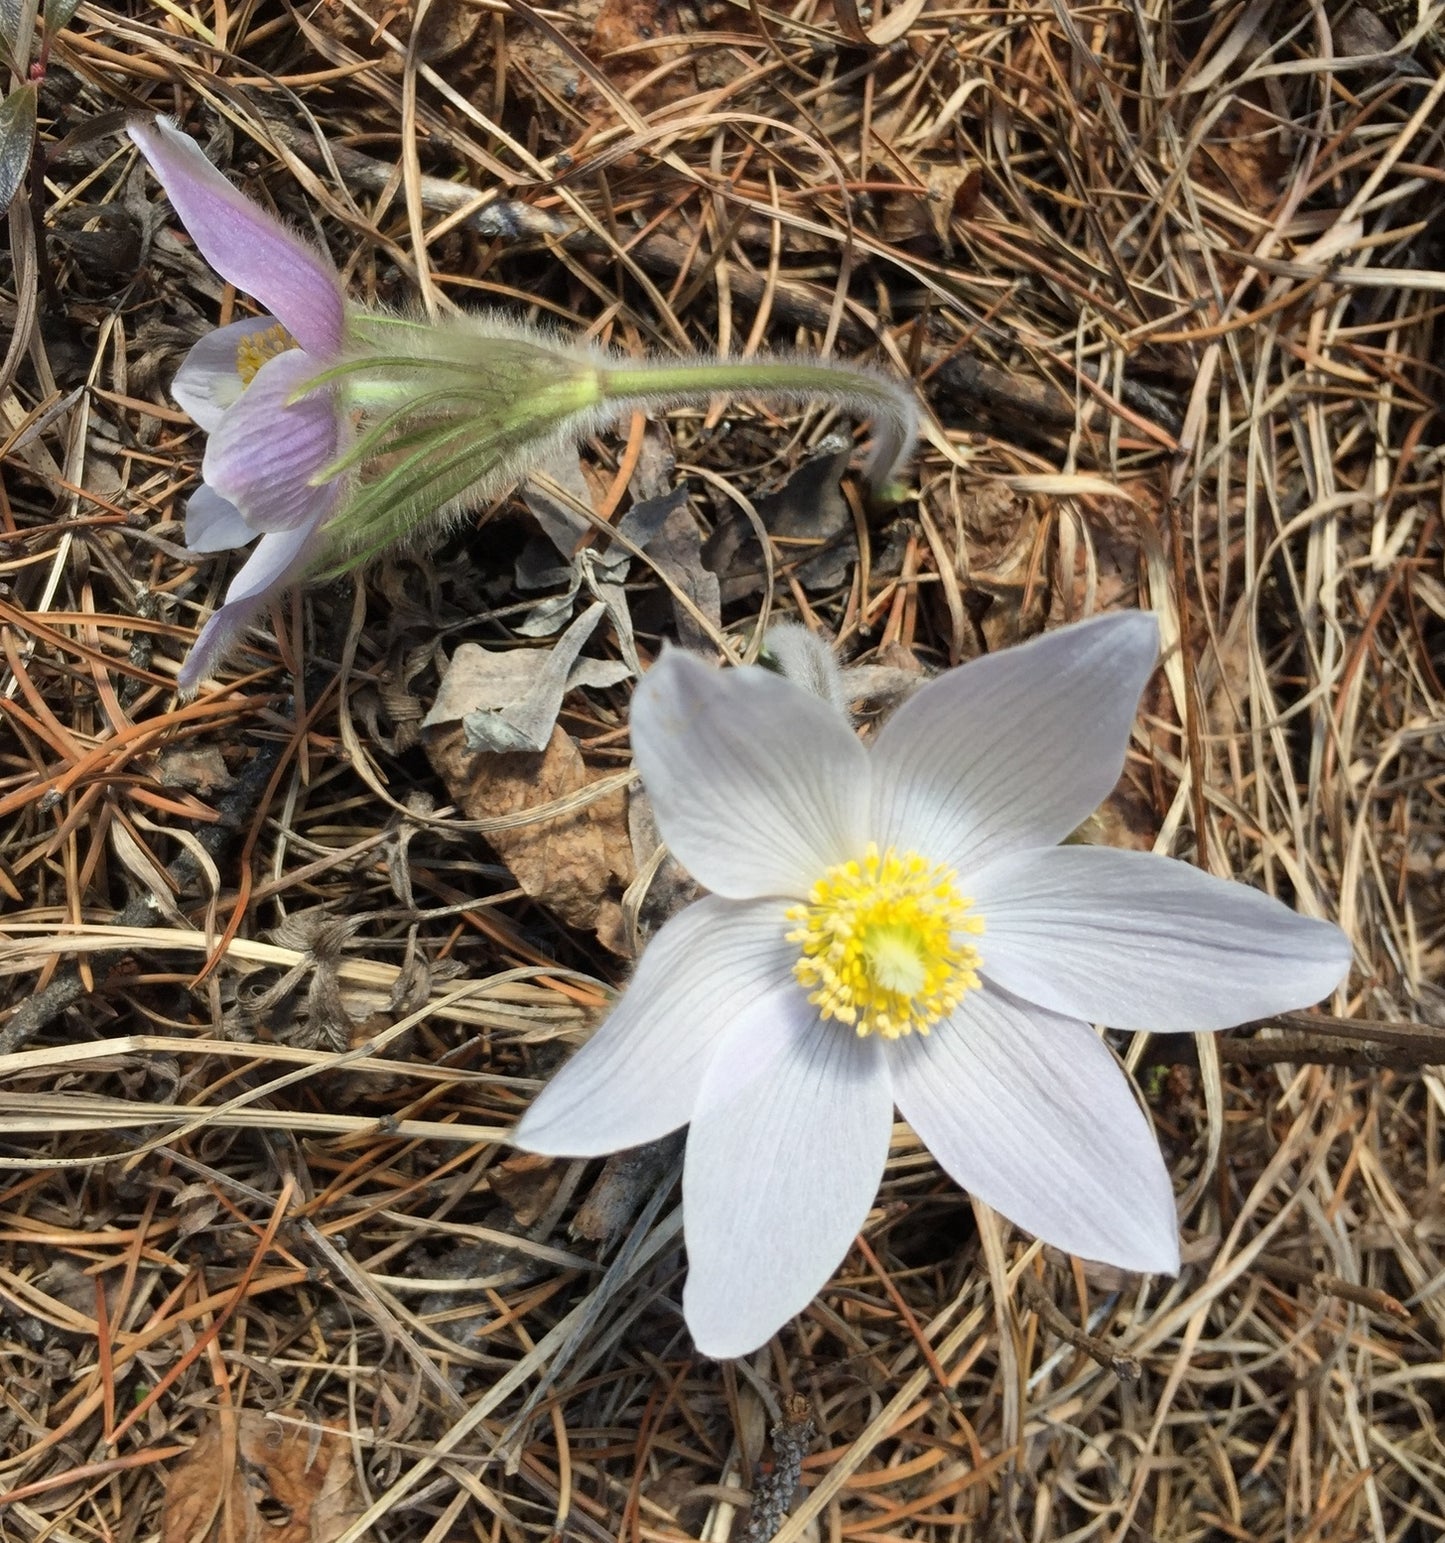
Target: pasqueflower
{"x": 337, "y": 430}
{"x": 897, "y": 925}
{"x": 271, "y": 440}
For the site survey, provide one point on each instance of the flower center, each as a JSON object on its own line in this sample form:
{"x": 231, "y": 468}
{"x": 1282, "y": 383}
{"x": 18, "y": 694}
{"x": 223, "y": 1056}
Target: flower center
{"x": 257, "y": 348}
{"x": 880, "y": 943}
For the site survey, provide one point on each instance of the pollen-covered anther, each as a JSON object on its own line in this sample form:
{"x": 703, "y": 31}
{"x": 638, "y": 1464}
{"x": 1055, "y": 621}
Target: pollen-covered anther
{"x": 258, "y": 348}
{"x": 882, "y": 945}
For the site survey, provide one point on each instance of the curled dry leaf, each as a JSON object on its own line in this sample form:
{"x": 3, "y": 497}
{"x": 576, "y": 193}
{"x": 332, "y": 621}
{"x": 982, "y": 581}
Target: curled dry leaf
{"x": 997, "y": 534}
{"x": 200, "y": 770}
{"x": 577, "y": 865}
{"x": 448, "y": 28}
{"x": 950, "y": 193}
{"x": 809, "y": 520}
{"x": 508, "y": 699}
{"x": 254, "y": 1477}
{"x": 527, "y": 1183}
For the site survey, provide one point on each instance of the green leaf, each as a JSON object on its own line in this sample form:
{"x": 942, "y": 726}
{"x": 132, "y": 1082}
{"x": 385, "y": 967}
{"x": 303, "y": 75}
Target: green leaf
{"x": 10, "y": 20}
{"x": 17, "y": 26}
{"x": 58, "y": 14}
{"x": 17, "y": 139}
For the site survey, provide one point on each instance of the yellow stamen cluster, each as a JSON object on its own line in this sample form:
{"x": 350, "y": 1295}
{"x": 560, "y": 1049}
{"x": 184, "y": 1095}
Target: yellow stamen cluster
{"x": 257, "y": 348}
{"x": 880, "y": 943}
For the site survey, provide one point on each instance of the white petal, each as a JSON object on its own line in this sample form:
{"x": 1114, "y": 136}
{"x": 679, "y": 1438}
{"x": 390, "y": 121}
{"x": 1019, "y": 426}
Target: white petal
{"x": 213, "y": 523}
{"x": 1143, "y": 942}
{"x": 1029, "y": 1111}
{"x": 244, "y": 243}
{"x": 1015, "y": 749}
{"x": 279, "y": 560}
{"x": 637, "y": 1078}
{"x": 267, "y": 453}
{"x": 207, "y": 382}
{"x": 758, "y": 787}
{"x": 780, "y": 1170}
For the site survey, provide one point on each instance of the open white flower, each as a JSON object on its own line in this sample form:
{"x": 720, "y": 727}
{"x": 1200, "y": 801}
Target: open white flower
{"x": 898, "y": 925}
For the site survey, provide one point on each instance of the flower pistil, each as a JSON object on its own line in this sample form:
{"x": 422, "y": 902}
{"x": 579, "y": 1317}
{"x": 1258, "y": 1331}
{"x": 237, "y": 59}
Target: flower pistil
{"x": 880, "y": 943}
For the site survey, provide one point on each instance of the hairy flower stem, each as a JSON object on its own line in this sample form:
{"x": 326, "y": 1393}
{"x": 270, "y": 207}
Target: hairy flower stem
{"x": 442, "y": 418}
{"x": 889, "y": 404}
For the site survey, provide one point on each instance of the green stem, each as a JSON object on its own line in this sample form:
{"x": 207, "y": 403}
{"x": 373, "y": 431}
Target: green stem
{"x": 889, "y": 403}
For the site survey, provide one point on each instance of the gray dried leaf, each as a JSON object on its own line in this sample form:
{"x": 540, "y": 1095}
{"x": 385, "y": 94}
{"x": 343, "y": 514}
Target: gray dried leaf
{"x": 667, "y": 532}
{"x": 508, "y": 699}
{"x": 550, "y": 493}
{"x": 810, "y": 510}
{"x": 808, "y": 516}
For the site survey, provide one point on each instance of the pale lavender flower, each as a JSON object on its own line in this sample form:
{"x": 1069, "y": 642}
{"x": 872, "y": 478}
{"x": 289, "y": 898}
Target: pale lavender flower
{"x": 337, "y": 431}
{"x": 271, "y": 440}
{"x": 898, "y": 926}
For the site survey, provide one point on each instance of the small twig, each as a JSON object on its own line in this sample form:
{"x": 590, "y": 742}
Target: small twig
{"x": 1403, "y": 1036}
{"x": 1333, "y": 1286}
{"x": 1028, "y": 406}
{"x": 1321, "y": 1041}
{"x": 1125, "y": 1367}
{"x": 626, "y": 1180}
{"x": 487, "y": 215}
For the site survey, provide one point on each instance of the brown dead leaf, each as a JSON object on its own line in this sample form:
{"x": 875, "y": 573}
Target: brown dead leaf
{"x": 1243, "y": 159}
{"x": 625, "y": 24}
{"x": 202, "y": 771}
{"x": 1125, "y": 819}
{"x": 575, "y": 865}
{"x": 255, "y": 1478}
{"x": 951, "y": 193}
{"x": 448, "y": 27}
{"x": 205, "y": 1487}
{"x": 624, "y": 29}
{"x": 528, "y": 1183}
{"x": 998, "y": 527}
{"x": 1114, "y": 534}
{"x": 627, "y": 40}
{"x": 537, "y": 70}
{"x": 615, "y": 34}
{"x": 996, "y": 532}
